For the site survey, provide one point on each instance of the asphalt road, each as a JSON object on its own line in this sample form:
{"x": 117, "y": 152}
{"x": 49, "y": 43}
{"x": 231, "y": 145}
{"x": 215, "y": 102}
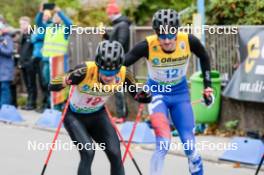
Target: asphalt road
{"x": 18, "y": 157}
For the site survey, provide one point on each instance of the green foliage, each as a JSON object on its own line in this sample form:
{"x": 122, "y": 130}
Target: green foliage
{"x": 91, "y": 17}
{"x": 74, "y": 4}
{"x": 21, "y": 101}
{"x": 241, "y": 12}
{"x": 187, "y": 17}
{"x": 231, "y": 125}
{"x": 12, "y": 10}
{"x": 144, "y": 12}
{"x": 219, "y": 12}
{"x": 83, "y": 16}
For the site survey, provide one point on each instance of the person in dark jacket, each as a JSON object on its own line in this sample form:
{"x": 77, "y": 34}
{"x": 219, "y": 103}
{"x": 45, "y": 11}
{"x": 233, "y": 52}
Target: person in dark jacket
{"x": 6, "y": 66}
{"x": 120, "y": 24}
{"x": 121, "y": 34}
{"x": 26, "y": 63}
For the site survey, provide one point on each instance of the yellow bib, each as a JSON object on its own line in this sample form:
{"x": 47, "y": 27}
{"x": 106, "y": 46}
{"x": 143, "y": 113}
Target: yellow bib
{"x": 90, "y": 95}
{"x": 168, "y": 68}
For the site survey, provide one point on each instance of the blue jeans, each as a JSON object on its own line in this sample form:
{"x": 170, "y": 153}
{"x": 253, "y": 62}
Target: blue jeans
{"x": 46, "y": 72}
{"x": 5, "y": 93}
{"x": 46, "y": 79}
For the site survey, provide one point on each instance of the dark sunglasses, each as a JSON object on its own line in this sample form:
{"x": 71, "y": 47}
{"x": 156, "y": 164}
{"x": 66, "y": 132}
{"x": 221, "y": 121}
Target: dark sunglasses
{"x": 165, "y": 36}
{"x": 108, "y": 73}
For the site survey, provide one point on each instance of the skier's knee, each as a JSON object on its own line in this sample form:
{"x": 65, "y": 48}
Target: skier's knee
{"x": 160, "y": 125}
{"x": 163, "y": 146}
{"x": 87, "y": 155}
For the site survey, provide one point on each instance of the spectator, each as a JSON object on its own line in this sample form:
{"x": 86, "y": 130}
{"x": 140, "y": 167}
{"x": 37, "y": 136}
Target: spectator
{"x": 17, "y": 71}
{"x": 7, "y": 29}
{"x": 3, "y": 21}
{"x": 42, "y": 20}
{"x": 55, "y": 42}
{"x": 15, "y": 34}
{"x": 120, "y": 24}
{"x": 57, "y": 33}
{"x": 6, "y": 66}
{"x": 119, "y": 33}
{"x": 26, "y": 63}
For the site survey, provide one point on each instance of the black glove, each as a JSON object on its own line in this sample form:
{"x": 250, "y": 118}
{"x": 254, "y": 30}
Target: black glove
{"x": 55, "y": 87}
{"x": 56, "y": 84}
{"x": 143, "y": 97}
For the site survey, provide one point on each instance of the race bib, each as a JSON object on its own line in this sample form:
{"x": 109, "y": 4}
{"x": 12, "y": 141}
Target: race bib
{"x": 86, "y": 103}
{"x": 167, "y": 74}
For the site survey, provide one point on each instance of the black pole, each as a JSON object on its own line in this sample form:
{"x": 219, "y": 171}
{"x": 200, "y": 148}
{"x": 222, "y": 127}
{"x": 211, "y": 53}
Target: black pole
{"x": 136, "y": 165}
{"x": 43, "y": 170}
{"x": 260, "y": 164}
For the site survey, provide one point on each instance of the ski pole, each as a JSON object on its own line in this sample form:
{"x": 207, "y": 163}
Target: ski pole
{"x": 123, "y": 141}
{"x": 57, "y": 131}
{"x": 260, "y": 164}
{"x": 141, "y": 107}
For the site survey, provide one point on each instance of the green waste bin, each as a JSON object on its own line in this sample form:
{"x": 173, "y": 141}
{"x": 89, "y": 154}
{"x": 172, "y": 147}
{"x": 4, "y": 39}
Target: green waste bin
{"x": 202, "y": 113}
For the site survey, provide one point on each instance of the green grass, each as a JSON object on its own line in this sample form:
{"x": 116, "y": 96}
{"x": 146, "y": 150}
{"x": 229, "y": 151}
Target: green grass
{"x": 21, "y": 101}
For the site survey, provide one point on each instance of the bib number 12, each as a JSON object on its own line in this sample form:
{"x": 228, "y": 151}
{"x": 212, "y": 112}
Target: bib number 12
{"x": 172, "y": 73}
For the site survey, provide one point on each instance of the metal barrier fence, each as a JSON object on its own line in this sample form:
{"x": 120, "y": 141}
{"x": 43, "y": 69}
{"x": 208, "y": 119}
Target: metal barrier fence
{"x": 222, "y": 48}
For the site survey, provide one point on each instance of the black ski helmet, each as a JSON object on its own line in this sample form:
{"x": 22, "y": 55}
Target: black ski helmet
{"x": 165, "y": 17}
{"x": 109, "y": 55}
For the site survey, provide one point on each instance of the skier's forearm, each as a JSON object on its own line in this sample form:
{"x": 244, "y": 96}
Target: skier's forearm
{"x": 57, "y": 83}
{"x": 199, "y": 50}
{"x": 74, "y": 77}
